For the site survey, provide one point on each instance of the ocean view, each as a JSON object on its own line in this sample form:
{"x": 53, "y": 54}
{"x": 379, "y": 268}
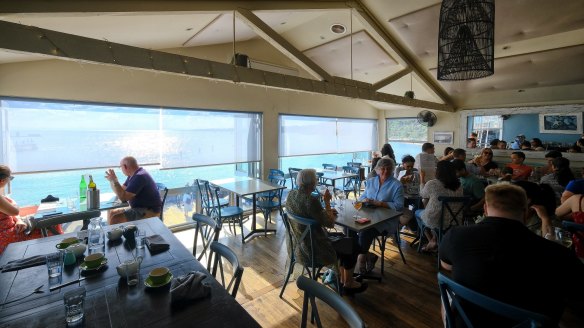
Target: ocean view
{"x": 29, "y": 189}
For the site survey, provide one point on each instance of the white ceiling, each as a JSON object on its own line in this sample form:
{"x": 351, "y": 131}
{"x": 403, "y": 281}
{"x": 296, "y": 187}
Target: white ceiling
{"x": 539, "y": 44}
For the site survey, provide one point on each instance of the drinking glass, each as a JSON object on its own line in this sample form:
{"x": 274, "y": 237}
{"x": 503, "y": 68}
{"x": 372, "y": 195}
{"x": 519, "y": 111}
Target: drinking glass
{"x": 564, "y": 237}
{"x": 132, "y": 271}
{"x": 139, "y": 237}
{"x": 55, "y": 264}
{"x": 74, "y": 300}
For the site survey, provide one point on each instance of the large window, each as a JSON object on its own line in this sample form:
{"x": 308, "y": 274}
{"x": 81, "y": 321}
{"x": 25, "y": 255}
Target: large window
{"x": 406, "y": 136}
{"x": 487, "y": 128}
{"x": 308, "y": 141}
{"x": 50, "y": 144}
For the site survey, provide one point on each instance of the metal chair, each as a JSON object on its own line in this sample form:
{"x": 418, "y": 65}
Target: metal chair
{"x": 382, "y": 241}
{"x": 352, "y": 184}
{"x": 455, "y": 208}
{"x": 208, "y": 230}
{"x": 220, "y": 252}
{"x": 269, "y": 201}
{"x": 208, "y": 202}
{"x": 293, "y": 174}
{"x": 313, "y": 290}
{"x": 309, "y": 265}
{"x": 48, "y": 221}
{"x": 276, "y": 173}
{"x": 163, "y": 192}
{"x": 229, "y": 214}
{"x": 452, "y": 293}
{"x": 354, "y": 164}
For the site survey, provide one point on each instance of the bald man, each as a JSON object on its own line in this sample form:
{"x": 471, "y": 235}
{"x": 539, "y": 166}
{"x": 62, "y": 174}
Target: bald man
{"x": 139, "y": 190}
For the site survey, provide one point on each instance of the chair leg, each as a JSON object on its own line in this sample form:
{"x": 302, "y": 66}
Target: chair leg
{"x": 398, "y": 244}
{"x": 240, "y": 227}
{"x": 288, "y": 274}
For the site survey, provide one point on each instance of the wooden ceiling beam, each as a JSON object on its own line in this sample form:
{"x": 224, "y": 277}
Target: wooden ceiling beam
{"x": 392, "y": 78}
{"x": 277, "y": 41}
{"x": 58, "y": 45}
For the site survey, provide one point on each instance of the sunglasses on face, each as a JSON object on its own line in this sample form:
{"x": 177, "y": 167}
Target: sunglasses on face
{"x": 11, "y": 177}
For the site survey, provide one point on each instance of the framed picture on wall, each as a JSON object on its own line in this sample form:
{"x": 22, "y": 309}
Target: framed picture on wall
{"x": 444, "y": 137}
{"x": 560, "y": 123}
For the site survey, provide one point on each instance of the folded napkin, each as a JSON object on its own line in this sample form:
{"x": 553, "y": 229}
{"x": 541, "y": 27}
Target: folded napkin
{"x": 24, "y": 263}
{"x": 156, "y": 244}
{"x": 189, "y": 287}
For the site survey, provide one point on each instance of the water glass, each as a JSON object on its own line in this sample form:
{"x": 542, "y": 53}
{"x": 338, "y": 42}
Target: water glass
{"x": 74, "y": 300}
{"x": 139, "y": 237}
{"x": 132, "y": 271}
{"x": 55, "y": 264}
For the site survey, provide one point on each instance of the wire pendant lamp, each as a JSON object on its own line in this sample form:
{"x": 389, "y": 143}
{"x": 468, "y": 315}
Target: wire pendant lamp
{"x": 466, "y": 39}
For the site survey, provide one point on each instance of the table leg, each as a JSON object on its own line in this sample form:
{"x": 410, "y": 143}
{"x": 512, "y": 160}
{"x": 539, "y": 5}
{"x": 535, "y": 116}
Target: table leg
{"x": 254, "y": 229}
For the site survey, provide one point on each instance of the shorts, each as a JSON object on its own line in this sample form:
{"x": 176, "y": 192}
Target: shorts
{"x": 133, "y": 214}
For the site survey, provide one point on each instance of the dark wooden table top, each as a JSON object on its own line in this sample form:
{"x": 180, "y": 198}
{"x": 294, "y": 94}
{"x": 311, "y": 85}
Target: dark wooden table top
{"x": 375, "y": 214}
{"x": 110, "y": 302}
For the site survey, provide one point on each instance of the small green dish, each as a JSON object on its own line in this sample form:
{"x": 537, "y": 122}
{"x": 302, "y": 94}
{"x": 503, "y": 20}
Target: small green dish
{"x": 148, "y": 282}
{"x": 83, "y": 266}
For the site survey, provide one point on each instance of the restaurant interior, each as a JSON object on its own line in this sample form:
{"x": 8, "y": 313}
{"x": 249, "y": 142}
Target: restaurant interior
{"x": 228, "y": 90}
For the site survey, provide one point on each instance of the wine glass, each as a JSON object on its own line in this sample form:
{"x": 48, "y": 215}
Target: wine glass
{"x": 564, "y": 237}
{"x": 357, "y": 205}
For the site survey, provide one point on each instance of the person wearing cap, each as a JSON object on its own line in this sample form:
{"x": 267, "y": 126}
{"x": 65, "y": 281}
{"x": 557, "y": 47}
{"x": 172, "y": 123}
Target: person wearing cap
{"x": 518, "y": 141}
{"x": 301, "y": 202}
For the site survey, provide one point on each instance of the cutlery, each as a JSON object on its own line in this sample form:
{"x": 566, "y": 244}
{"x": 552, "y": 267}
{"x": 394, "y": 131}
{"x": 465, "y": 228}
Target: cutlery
{"x": 67, "y": 283}
{"x": 35, "y": 291}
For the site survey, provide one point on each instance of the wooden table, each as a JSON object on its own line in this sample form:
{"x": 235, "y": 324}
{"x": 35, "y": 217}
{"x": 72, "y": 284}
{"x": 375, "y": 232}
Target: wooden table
{"x": 245, "y": 186}
{"x": 110, "y": 302}
{"x": 377, "y": 215}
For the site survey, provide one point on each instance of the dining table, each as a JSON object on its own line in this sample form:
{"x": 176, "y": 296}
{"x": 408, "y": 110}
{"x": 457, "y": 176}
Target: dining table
{"x": 246, "y": 186}
{"x": 58, "y": 212}
{"x": 333, "y": 176}
{"x": 347, "y": 215}
{"x": 110, "y": 302}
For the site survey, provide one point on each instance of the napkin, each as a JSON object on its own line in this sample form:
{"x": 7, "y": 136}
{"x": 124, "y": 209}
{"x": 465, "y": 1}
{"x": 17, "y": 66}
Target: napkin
{"x": 24, "y": 263}
{"x": 156, "y": 244}
{"x": 189, "y": 287}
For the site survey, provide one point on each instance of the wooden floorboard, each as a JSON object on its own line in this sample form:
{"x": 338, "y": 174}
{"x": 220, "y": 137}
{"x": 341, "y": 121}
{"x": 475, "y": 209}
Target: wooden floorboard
{"x": 408, "y": 296}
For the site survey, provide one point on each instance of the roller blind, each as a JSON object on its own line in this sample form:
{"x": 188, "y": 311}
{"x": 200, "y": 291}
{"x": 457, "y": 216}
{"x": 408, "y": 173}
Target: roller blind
{"x": 308, "y": 135}
{"x": 54, "y": 136}
{"x": 195, "y": 138}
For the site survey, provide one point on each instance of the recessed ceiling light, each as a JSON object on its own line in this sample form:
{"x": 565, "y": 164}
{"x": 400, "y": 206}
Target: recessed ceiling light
{"x": 189, "y": 28}
{"x": 338, "y": 28}
{"x": 520, "y": 90}
{"x": 283, "y": 23}
{"x": 506, "y": 47}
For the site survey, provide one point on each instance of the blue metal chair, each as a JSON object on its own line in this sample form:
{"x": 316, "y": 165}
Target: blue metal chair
{"x": 313, "y": 290}
{"x": 207, "y": 230}
{"x": 309, "y": 265}
{"x": 208, "y": 202}
{"x": 352, "y": 184}
{"x": 163, "y": 192}
{"x": 452, "y": 293}
{"x": 354, "y": 164}
{"x": 293, "y": 174}
{"x": 232, "y": 215}
{"x": 276, "y": 173}
{"x": 270, "y": 201}
{"x": 454, "y": 207}
{"x": 220, "y": 252}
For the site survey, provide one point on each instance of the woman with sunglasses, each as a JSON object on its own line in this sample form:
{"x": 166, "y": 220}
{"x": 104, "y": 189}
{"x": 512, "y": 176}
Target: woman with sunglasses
{"x": 485, "y": 162}
{"x": 11, "y": 226}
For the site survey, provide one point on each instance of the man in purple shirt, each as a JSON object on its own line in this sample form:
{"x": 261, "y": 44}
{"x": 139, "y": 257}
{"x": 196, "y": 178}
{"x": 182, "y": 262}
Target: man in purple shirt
{"x": 139, "y": 190}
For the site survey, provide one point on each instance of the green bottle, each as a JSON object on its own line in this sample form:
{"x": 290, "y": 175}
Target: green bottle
{"x": 82, "y": 188}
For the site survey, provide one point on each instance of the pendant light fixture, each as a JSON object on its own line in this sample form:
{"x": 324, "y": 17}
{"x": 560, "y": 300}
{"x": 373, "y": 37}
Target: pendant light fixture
{"x": 466, "y": 39}
{"x": 410, "y": 94}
